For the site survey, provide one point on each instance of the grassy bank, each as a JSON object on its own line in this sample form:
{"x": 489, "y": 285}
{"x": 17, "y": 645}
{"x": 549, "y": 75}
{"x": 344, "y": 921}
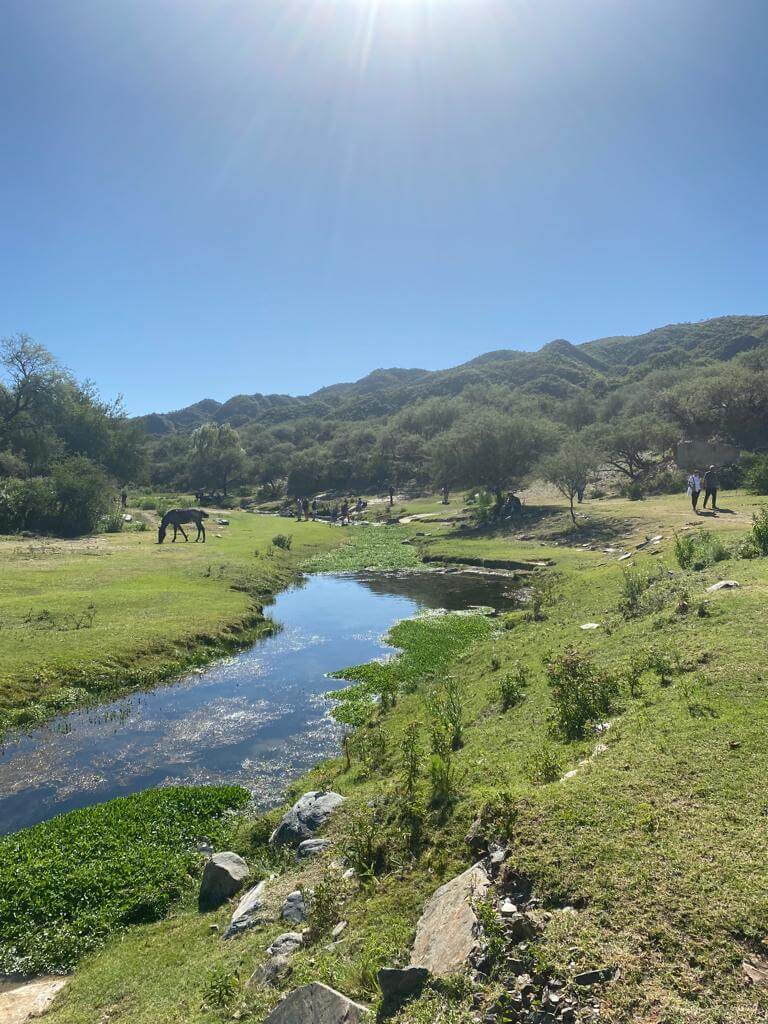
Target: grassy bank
{"x": 88, "y": 618}
{"x": 655, "y": 845}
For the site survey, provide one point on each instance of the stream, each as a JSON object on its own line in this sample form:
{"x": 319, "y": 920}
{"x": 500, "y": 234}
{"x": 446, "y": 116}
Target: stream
{"x": 259, "y": 718}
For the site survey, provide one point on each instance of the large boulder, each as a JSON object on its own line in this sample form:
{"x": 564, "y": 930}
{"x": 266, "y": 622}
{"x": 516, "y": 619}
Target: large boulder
{"x": 398, "y": 983}
{"x": 306, "y": 816}
{"x": 447, "y": 934}
{"x": 224, "y": 876}
{"x": 317, "y": 1004}
{"x": 247, "y": 912}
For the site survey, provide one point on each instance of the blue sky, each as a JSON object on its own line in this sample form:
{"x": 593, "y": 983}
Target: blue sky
{"x": 200, "y": 198}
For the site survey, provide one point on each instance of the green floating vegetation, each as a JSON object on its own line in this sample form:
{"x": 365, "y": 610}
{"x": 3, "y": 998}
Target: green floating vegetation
{"x": 427, "y": 643}
{"x": 369, "y": 547}
{"x": 67, "y": 884}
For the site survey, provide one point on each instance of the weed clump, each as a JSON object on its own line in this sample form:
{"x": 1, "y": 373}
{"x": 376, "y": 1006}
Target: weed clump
{"x": 700, "y": 550}
{"x": 512, "y": 686}
{"x": 543, "y": 765}
{"x": 581, "y": 692}
{"x": 282, "y": 541}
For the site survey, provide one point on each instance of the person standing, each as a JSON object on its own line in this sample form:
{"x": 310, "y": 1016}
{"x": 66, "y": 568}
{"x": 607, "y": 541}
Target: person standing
{"x": 711, "y": 484}
{"x": 299, "y": 509}
{"x": 694, "y": 489}
{"x": 314, "y": 509}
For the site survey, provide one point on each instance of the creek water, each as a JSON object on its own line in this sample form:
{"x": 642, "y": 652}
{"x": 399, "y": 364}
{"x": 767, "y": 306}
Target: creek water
{"x": 259, "y": 719}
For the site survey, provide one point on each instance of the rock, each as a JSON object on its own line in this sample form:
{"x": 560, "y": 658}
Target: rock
{"x": 337, "y": 931}
{"x": 520, "y": 928}
{"x": 223, "y": 522}
{"x": 447, "y": 931}
{"x": 476, "y": 839}
{"x": 316, "y": 1004}
{"x": 270, "y": 973}
{"x": 246, "y": 913}
{"x": 295, "y": 908}
{"x": 593, "y": 977}
{"x": 398, "y": 983}
{"x": 756, "y": 971}
{"x": 623, "y": 558}
{"x": 507, "y": 908}
{"x": 305, "y": 817}
{"x": 223, "y": 876}
{"x": 590, "y": 625}
{"x": 24, "y": 998}
{"x": 349, "y": 873}
{"x": 311, "y": 847}
{"x": 286, "y": 943}
{"x": 600, "y": 748}
{"x": 723, "y": 585}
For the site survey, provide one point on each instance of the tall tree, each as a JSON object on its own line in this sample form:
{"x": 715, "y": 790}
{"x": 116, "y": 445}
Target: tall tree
{"x": 489, "y": 449}
{"x": 217, "y": 455}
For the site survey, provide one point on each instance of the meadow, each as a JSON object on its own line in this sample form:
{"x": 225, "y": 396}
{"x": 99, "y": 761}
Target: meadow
{"x": 649, "y": 859}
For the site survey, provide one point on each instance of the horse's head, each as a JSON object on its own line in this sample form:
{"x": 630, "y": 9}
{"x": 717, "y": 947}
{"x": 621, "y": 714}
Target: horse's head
{"x": 161, "y": 534}
{"x": 203, "y": 514}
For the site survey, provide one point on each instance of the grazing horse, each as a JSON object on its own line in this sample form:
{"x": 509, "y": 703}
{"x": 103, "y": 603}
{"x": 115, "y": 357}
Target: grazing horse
{"x": 176, "y": 516}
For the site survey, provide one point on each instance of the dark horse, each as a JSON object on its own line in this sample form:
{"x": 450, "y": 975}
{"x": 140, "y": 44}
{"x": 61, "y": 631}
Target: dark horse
{"x": 176, "y": 516}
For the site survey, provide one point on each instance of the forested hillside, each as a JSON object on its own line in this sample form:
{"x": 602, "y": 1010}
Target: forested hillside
{"x": 623, "y": 396}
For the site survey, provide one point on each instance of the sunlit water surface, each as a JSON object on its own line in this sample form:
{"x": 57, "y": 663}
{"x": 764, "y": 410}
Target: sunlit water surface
{"x": 259, "y": 719}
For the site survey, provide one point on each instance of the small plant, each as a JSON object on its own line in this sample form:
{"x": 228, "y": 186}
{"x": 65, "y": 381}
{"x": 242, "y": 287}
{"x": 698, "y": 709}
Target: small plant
{"x": 494, "y": 936}
{"x": 699, "y": 550}
{"x": 512, "y": 686}
{"x": 282, "y": 541}
{"x": 543, "y": 594}
{"x": 633, "y": 671}
{"x": 664, "y": 663}
{"x": 220, "y": 989}
{"x": 368, "y": 845}
{"x": 444, "y": 780}
{"x": 495, "y": 663}
{"x": 411, "y": 761}
{"x": 446, "y": 709}
{"x": 759, "y": 533}
{"x": 112, "y": 522}
{"x": 543, "y": 765}
{"x": 325, "y": 903}
{"x": 581, "y": 692}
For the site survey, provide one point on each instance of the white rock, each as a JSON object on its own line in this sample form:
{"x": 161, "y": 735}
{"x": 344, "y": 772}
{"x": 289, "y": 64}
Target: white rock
{"x": 317, "y": 1004}
{"x": 590, "y": 625}
{"x": 246, "y": 913}
{"x": 723, "y": 585}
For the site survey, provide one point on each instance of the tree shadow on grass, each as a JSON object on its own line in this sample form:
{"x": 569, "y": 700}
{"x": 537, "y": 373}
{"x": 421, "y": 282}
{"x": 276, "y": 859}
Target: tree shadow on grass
{"x": 545, "y": 523}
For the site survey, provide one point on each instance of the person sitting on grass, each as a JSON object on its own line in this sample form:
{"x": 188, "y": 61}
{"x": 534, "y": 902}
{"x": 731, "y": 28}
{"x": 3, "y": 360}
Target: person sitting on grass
{"x": 694, "y": 490}
{"x": 711, "y": 484}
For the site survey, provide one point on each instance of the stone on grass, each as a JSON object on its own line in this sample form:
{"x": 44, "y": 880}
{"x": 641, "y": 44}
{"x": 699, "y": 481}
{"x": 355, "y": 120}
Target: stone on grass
{"x": 271, "y": 972}
{"x": 285, "y": 943}
{"x": 447, "y": 933}
{"x": 590, "y": 625}
{"x": 398, "y": 983}
{"x": 311, "y": 847}
{"x": 723, "y": 585}
{"x": 246, "y": 913}
{"x": 224, "y": 876}
{"x": 593, "y": 977}
{"x": 317, "y": 1004}
{"x": 305, "y": 817}
{"x": 338, "y": 930}
{"x": 295, "y": 908}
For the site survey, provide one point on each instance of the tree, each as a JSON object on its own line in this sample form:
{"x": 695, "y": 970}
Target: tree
{"x": 490, "y": 449}
{"x": 217, "y": 455}
{"x": 632, "y": 445}
{"x": 570, "y": 470}
{"x": 29, "y": 370}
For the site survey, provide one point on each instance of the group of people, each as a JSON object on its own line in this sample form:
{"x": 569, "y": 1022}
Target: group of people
{"x": 709, "y": 483}
{"x": 338, "y": 512}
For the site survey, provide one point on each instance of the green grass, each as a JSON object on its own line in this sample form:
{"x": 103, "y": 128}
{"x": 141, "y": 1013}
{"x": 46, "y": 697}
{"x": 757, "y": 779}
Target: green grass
{"x": 70, "y": 883}
{"x": 81, "y": 619}
{"x": 659, "y": 841}
{"x": 365, "y": 547}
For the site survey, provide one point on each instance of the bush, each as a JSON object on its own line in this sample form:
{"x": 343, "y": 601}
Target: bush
{"x": 27, "y": 504}
{"x": 83, "y": 495}
{"x": 512, "y": 686}
{"x": 633, "y": 490}
{"x": 759, "y": 533}
{"x": 581, "y": 692}
{"x": 699, "y": 550}
{"x": 283, "y": 541}
{"x": 756, "y": 476}
{"x": 543, "y": 765}
{"x": 112, "y": 522}
{"x": 69, "y": 883}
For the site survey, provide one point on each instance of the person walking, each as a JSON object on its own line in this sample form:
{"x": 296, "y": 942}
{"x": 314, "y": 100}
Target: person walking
{"x": 314, "y": 509}
{"x": 711, "y": 484}
{"x": 694, "y": 490}
{"x": 391, "y": 496}
{"x": 345, "y": 513}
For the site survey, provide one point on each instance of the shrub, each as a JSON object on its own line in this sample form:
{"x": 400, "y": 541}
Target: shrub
{"x": 28, "y": 504}
{"x": 759, "y": 533}
{"x": 543, "y": 765}
{"x": 444, "y": 779}
{"x": 283, "y": 541}
{"x": 512, "y": 686}
{"x": 325, "y": 903}
{"x": 112, "y": 522}
{"x": 581, "y": 692}
{"x": 633, "y": 490}
{"x": 411, "y": 761}
{"x": 67, "y": 884}
{"x": 699, "y": 550}
{"x": 756, "y": 476}
{"x": 446, "y": 710}
{"x": 82, "y": 495}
